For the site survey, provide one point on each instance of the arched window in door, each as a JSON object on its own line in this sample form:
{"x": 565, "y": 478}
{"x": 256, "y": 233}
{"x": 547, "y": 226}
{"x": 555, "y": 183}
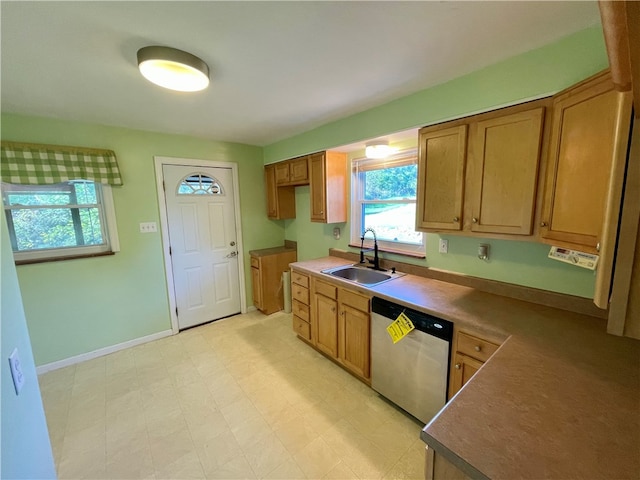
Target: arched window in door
{"x": 199, "y": 184}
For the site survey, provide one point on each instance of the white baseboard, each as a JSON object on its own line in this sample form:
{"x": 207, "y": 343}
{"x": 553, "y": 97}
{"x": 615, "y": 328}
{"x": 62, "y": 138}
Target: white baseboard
{"x": 101, "y": 352}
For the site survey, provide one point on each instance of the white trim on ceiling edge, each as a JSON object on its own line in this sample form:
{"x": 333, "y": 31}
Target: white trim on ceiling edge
{"x": 101, "y": 352}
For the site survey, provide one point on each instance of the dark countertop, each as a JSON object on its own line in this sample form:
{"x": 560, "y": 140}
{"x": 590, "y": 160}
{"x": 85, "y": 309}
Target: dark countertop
{"x": 559, "y": 399}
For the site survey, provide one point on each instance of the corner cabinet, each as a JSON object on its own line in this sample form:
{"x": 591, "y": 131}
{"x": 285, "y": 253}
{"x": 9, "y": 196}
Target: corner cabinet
{"x": 328, "y": 187}
{"x": 281, "y": 201}
{"x": 470, "y": 353}
{"x": 586, "y": 168}
{"x": 480, "y": 174}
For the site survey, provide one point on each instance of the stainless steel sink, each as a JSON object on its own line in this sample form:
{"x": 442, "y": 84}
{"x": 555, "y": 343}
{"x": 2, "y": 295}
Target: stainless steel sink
{"x": 361, "y": 275}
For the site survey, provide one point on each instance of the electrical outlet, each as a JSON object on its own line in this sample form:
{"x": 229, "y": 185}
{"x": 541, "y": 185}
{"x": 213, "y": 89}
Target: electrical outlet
{"x": 148, "y": 227}
{"x": 16, "y": 371}
{"x": 443, "y": 247}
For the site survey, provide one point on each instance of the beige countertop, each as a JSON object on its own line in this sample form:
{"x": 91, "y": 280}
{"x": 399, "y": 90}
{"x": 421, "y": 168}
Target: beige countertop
{"x": 559, "y": 399}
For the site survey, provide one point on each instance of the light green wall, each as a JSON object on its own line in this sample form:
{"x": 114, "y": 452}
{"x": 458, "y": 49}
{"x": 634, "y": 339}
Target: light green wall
{"x": 79, "y": 306}
{"x": 534, "y": 74}
{"x": 25, "y": 450}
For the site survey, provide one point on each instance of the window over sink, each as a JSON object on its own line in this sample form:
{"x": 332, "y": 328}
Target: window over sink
{"x": 384, "y": 199}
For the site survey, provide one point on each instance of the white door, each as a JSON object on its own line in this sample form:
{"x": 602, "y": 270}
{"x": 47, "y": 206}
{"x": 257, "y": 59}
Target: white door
{"x": 203, "y": 244}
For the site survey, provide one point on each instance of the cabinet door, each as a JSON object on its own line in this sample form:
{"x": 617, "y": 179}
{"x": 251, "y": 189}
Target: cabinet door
{"x": 463, "y": 369}
{"x": 317, "y": 186}
{"x": 326, "y": 325}
{"x": 441, "y": 164}
{"x": 354, "y": 340}
{"x": 281, "y": 201}
{"x": 256, "y": 284}
{"x": 503, "y": 172}
{"x": 282, "y": 173}
{"x": 585, "y": 131}
{"x": 299, "y": 171}
{"x": 272, "y": 193}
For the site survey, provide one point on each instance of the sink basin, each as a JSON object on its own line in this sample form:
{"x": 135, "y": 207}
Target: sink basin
{"x": 361, "y": 275}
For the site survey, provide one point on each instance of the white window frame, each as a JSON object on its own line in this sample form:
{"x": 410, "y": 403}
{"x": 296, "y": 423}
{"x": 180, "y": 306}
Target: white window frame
{"x": 405, "y": 157}
{"x": 108, "y": 224}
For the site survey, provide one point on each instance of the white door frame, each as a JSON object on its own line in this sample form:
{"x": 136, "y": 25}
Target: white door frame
{"x": 164, "y": 227}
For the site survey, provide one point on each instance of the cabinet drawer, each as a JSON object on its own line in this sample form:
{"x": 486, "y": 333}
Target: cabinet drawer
{"x": 326, "y": 289}
{"x": 301, "y": 310}
{"x": 354, "y": 300}
{"x": 301, "y": 327}
{"x": 255, "y": 262}
{"x": 300, "y": 279}
{"x": 300, "y": 293}
{"x": 475, "y": 347}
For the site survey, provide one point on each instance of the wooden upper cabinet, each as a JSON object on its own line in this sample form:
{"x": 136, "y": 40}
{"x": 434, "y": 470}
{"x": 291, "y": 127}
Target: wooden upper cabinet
{"x": 293, "y": 172}
{"x": 328, "y": 187}
{"x": 480, "y": 174}
{"x": 299, "y": 170}
{"x": 441, "y": 163}
{"x": 502, "y": 172}
{"x": 282, "y": 173}
{"x": 281, "y": 201}
{"x": 587, "y": 153}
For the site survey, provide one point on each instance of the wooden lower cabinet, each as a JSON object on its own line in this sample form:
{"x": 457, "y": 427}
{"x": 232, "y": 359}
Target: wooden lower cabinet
{"x": 267, "y": 266}
{"x": 439, "y": 468}
{"x": 469, "y": 354}
{"x": 339, "y": 326}
{"x": 300, "y": 305}
{"x": 326, "y": 324}
{"x": 464, "y": 368}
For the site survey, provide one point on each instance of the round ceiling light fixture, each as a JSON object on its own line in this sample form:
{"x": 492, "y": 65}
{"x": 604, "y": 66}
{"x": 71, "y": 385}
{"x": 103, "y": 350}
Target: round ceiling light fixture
{"x": 378, "y": 149}
{"x": 173, "y": 69}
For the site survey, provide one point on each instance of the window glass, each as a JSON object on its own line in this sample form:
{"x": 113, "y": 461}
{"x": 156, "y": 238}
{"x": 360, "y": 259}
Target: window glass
{"x": 61, "y": 220}
{"x": 198, "y": 184}
{"x": 384, "y": 199}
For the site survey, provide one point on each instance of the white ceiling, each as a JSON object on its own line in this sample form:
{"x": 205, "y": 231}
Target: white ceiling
{"x": 277, "y": 68}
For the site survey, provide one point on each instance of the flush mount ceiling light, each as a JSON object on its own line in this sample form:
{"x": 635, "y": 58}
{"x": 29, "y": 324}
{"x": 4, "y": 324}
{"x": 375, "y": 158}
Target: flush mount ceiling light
{"x": 173, "y": 69}
{"x": 378, "y": 149}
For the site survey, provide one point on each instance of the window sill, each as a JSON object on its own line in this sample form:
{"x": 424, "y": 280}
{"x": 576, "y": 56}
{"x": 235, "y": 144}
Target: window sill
{"x": 59, "y": 259}
{"x": 394, "y": 251}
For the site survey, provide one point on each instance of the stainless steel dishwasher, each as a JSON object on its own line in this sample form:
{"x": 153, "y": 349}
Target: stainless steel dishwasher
{"x": 412, "y": 373}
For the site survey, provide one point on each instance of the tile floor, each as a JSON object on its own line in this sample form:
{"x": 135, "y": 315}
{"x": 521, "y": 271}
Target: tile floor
{"x": 241, "y": 398}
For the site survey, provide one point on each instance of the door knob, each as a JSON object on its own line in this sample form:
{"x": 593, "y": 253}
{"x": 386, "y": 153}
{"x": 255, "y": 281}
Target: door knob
{"x": 232, "y": 254}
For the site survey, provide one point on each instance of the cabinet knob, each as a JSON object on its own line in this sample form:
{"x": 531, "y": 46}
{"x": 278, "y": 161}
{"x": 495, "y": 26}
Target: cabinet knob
{"x": 474, "y": 220}
{"x": 543, "y": 224}
{"x": 457, "y": 365}
{"x": 477, "y": 348}
{"x": 598, "y": 247}
{"x": 456, "y": 219}
{"x": 333, "y": 309}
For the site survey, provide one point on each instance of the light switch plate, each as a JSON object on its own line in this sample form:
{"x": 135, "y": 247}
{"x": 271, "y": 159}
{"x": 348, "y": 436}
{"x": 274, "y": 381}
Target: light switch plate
{"x": 443, "y": 246}
{"x": 16, "y": 371}
{"x": 148, "y": 227}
